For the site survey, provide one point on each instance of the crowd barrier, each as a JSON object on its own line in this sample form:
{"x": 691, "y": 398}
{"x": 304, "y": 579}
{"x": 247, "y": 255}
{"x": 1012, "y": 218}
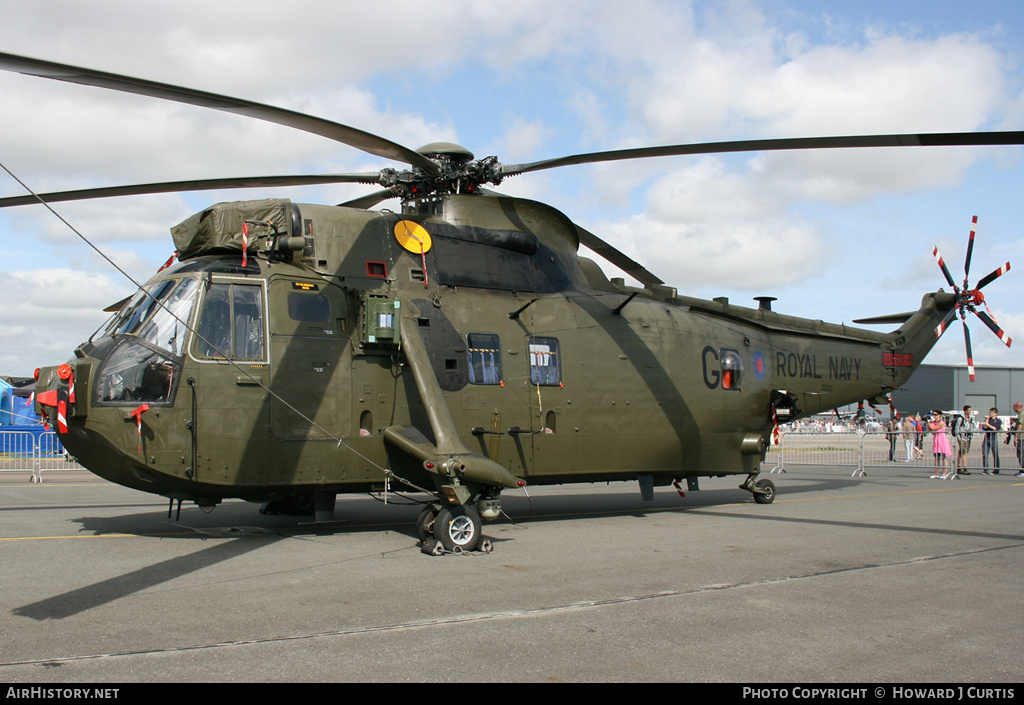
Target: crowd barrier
{"x": 862, "y": 450}
{"x": 34, "y": 452}
{"x": 22, "y": 451}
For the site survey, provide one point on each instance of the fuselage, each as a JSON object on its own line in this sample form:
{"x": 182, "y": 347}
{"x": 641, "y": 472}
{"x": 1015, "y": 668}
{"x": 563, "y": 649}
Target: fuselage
{"x": 295, "y": 371}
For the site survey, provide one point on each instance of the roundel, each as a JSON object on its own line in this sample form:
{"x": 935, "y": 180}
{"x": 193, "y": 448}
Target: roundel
{"x": 412, "y": 236}
{"x": 759, "y": 365}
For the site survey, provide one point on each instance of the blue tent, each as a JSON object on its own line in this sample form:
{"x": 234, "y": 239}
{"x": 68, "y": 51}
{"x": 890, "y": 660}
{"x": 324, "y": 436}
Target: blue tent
{"x": 15, "y": 407}
{"x": 17, "y": 416}
{"x": 6, "y": 402}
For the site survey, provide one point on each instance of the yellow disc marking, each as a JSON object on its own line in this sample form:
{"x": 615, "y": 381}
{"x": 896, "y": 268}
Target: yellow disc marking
{"x": 412, "y": 236}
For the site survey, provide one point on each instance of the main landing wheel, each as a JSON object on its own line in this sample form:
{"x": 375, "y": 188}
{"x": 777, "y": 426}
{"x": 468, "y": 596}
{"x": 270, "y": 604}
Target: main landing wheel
{"x": 458, "y": 527}
{"x": 767, "y": 493}
{"x": 425, "y": 523}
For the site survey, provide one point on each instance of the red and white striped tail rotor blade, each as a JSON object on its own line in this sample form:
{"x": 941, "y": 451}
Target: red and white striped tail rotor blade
{"x": 970, "y": 250}
{"x": 993, "y": 276}
{"x": 989, "y": 321}
{"x": 942, "y": 266}
{"x": 970, "y": 354}
{"x": 941, "y": 328}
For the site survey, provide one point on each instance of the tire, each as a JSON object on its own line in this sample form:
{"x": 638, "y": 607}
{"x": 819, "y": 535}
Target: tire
{"x": 458, "y": 528}
{"x": 425, "y": 523}
{"x": 766, "y": 497}
{"x": 298, "y": 505}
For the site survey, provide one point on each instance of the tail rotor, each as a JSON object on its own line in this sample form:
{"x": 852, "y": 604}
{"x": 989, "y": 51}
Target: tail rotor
{"x": 968, "y": 300}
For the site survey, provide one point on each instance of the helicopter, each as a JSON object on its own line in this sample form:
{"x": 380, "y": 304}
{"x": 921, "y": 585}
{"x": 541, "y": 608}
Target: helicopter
{"x": 459, "y": 346}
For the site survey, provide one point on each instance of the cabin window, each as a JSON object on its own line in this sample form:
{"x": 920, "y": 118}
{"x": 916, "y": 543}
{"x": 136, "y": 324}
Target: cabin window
{"x": 732, "y": 369}
{"x": 484, "y": 358}
{"x": 231, "y": 325}
{"x": 545, "y": 362}
{"x": 315, "y": 308}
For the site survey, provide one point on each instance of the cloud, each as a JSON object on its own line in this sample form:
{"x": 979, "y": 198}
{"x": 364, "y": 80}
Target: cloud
{"x": 739, "y": 219}
{"x": 51, "y": 312}
{"x": 530, "y": 80}
{"x": 745, "y": 255}
{"x": 524, "y": 138}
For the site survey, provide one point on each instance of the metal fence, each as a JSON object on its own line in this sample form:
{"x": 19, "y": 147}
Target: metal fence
{"x": 25, "y": 451}
{"x": 1003, "y": 451}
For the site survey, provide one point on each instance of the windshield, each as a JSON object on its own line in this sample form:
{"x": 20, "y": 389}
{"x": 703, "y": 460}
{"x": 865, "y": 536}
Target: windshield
{"x": 163, "y": 326}
{"x": 133, "y": 373}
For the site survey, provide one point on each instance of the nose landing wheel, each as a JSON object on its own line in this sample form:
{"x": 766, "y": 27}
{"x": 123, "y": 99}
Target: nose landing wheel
{"x": 764, "y": 492}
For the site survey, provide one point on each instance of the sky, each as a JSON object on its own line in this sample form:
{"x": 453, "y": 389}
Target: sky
{"x": 834, "y": 235}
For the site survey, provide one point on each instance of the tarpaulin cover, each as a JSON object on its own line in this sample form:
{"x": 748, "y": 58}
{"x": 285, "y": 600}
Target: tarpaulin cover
{"x": 219, "y": 227}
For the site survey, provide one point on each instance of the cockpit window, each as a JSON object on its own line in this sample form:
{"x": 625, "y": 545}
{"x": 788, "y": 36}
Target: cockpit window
{"x": 134, "y": 373}
{"x": 163, "y": 324}
{"x": 231, "y": 323}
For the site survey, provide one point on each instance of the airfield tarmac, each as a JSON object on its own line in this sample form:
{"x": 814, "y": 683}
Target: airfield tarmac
{"x": 891, "y": 577}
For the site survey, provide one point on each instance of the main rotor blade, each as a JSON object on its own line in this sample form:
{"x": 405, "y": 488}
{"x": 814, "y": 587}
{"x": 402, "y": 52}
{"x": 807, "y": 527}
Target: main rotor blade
{"x": 992, "y": 276}
{"x": 608, "y": 252}
{"x": 351, "y": 136}
{"x": 616, "y": 257}
{"x": 118, "y": 305}
{"x": 190, "y": 185}
{"x": 944, "y": 139}
{"x": 970, "y": 250}
{"x": 942, "y": 266}
{"x": 370, "y": 200}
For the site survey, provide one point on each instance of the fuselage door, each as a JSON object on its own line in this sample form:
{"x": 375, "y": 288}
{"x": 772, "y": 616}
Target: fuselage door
{"x": 310, "y": 360}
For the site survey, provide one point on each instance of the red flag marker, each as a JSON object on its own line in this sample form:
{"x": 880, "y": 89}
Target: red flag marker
{"x": 137, "y": 415}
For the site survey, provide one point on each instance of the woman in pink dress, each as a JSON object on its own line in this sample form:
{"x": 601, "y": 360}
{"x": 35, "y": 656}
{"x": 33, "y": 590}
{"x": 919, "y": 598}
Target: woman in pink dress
{"x": 940, "y": 446}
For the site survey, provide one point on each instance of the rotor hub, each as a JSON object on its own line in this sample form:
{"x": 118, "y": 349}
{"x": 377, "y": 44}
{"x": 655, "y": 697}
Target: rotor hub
{"x": 445, "y": 150}
{"x": 458, "y": 173}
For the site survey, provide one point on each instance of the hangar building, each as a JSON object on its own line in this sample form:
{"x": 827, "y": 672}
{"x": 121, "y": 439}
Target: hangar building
{"x": 948, "y": 387}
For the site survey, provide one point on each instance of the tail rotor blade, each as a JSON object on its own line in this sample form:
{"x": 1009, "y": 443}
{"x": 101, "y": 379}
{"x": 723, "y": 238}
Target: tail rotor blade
{"x": 970, "y": 355}
{"x": 942, "y": 266}
{"x": 994, "y": 327}
{"x": 994, "y": 275}
{"x": 945, "y": 323}
{"x": 970, "y": 250}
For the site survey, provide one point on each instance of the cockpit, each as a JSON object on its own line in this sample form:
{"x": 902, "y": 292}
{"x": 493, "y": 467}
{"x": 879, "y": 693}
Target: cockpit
{"x": 144, "y": 344}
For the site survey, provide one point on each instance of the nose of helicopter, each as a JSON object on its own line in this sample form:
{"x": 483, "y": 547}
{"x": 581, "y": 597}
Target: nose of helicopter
{"x": 55, "y": 392}
{"x": 62, "y": 401}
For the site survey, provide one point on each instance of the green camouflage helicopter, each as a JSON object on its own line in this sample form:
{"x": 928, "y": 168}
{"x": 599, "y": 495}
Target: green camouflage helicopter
{"x": 458, "y": 347}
